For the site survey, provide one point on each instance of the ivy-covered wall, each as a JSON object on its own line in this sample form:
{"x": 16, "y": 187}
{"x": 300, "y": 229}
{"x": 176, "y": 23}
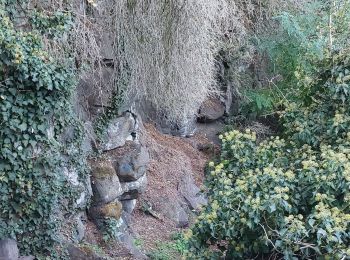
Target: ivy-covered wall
{"x": 35, "y": 113}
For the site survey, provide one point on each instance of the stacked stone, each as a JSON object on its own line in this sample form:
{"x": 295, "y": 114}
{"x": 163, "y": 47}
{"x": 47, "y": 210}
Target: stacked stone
{"x": 118, "y": 177}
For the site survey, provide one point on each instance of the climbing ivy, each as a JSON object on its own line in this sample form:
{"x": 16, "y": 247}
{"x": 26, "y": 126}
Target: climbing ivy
{"x": 113, "y": 110}
{"x": 35, "y": 113}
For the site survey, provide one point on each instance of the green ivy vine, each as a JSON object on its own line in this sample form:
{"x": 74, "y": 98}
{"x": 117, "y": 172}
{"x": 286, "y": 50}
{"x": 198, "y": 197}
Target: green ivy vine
{"x": 35, "y": 113}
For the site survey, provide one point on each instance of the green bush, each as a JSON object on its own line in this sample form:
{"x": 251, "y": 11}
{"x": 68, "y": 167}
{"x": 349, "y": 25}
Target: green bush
{"x": 296, "y": 46}
{"x": 285, "y": 196}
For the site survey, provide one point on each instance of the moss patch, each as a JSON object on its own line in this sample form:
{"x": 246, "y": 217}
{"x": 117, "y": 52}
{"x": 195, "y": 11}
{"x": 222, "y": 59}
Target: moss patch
{"x": 112, "y": 210}
{"x": 102, "y": 169}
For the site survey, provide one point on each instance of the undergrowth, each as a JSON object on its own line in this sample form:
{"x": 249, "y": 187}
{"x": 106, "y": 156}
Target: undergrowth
{"x": 169, "y": 250}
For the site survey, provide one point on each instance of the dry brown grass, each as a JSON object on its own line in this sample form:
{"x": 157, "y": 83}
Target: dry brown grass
{"x": 164, "y": 50}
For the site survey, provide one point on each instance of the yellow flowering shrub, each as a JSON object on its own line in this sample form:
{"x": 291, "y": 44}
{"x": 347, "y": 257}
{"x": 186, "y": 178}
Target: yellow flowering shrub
{"x": 286, "y": 196}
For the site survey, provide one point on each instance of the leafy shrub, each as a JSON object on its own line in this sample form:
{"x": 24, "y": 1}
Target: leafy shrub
{"x": 296, "y": 45}
{"x": 257, "y": 103}
{"x": 285, "y": 196}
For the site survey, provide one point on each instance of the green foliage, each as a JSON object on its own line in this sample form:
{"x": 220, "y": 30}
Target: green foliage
{"x": 170, "y": 250}
{"x": 111, "y": 229}
{"x": 257, "y": 102}
{"x": 35, "y": 112}
{"x": 112, "y": 111}
{"x": 295, "y": 206}
{"x": 297, "y": 45}
{"x": 51, "y": 25}
{"x": 285, "y": 197}
{"x": 138, "y": 242}
{"x": 281, "y": 197}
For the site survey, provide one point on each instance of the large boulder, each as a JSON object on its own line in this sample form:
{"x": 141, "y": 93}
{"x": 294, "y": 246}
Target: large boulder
{"x": 118, "y": 132}
{"x": 105, "y": 182}
{"x": 130, "y": 161}
{"x": 128, "y": 242}
{"x": 8, "y": 249}
{"x": 191, "y": 193}
{"x": 132, "y": 190}
{"x": 211, "y": 109}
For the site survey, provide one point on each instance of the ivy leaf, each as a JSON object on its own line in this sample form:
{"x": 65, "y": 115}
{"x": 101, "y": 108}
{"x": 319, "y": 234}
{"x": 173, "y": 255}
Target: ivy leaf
{"x": 23, "y": 127}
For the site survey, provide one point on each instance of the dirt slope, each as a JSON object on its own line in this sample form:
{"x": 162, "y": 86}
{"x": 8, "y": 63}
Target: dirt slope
{"x": 171, "y": 158}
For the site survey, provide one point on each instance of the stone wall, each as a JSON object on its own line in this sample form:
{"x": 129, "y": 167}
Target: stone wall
{"x": 118, "y": 159}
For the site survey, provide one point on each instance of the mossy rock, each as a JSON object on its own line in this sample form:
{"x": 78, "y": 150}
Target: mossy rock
{"x": 105, "y": 183}
{"x": 112, "y": 210}
{"x": 102, "y": 169}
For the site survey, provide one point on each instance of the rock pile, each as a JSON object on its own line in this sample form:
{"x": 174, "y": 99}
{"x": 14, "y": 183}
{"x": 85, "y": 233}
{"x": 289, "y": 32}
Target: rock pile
{"x": 118, "y": 176}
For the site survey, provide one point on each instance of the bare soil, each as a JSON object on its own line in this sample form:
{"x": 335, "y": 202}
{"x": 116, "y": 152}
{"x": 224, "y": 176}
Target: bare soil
{"x": 171, "y": 158}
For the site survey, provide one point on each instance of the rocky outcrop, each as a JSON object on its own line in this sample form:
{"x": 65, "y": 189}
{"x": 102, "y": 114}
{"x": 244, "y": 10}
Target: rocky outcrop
{"x": 149, "y": 113}
{"x": 133, "y": 189}
{"x": 130, "y": 162}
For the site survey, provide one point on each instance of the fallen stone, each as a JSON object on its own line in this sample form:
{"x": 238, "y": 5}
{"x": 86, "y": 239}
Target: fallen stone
{"x": 191, "y": 193}
{"x": 211, "y": 110}
{"x": 8, "y": 249}
{"x": 117, "y": 132}
{"x": 132, "y": 190}
{"x": 173, "y": 210}
{"x": 105, "y": 182}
